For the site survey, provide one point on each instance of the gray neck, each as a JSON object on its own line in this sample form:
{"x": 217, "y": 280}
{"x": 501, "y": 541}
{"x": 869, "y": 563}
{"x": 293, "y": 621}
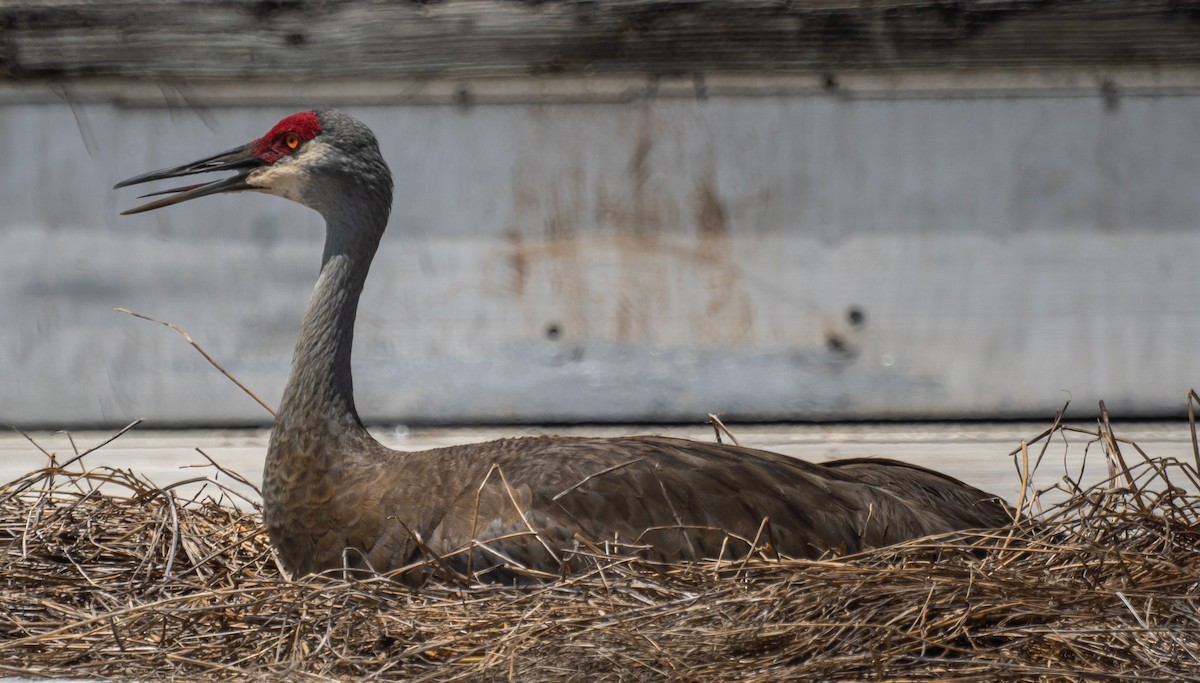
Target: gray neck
{"x": 319, "y": 396}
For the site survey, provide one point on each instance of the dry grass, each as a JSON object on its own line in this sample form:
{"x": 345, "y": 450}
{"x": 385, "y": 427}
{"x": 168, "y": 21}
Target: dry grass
{"x": 105, "y": 574}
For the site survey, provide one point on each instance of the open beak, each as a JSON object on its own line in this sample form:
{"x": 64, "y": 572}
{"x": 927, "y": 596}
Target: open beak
{"x": 241, "y": 159}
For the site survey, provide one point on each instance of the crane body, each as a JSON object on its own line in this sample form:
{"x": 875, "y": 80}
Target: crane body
{"x": 336, "y": 499}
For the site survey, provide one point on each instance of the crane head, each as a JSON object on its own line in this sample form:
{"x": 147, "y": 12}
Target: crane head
{"x": 282, "y": 162}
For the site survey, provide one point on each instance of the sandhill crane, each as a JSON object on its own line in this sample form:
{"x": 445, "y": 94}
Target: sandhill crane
{"x": 335, "y": 499}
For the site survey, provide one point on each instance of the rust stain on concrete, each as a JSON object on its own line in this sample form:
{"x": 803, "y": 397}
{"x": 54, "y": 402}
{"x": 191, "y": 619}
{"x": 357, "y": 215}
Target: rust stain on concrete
{"x": 711, "y": 218}
{"x": 728, "y": 318}
{"x": 628, "y": 259}
{"x": 518, "y": 262}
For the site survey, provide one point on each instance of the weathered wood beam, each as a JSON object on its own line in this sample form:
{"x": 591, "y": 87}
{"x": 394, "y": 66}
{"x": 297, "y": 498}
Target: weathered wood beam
{"x": 295, "y": 39}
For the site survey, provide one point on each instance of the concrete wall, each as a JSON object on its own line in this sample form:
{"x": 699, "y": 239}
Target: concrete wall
{"x": 766, "y": 252}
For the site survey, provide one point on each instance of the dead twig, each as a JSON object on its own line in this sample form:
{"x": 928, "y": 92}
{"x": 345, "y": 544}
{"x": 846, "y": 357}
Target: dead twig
{"x": 187, "y": 337}
{"x": 719, "y": 428}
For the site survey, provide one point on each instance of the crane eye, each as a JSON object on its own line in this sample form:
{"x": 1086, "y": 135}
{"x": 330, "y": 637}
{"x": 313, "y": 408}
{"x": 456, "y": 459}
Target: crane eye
{"x": 291, "y": 140}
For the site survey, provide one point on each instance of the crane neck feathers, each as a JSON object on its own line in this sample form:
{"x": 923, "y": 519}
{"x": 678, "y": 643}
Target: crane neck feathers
{"x": 320, "y": 388}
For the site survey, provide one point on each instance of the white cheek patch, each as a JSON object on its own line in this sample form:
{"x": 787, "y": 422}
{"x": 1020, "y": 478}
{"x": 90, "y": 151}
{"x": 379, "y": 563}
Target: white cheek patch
{"x": 287, "y": 177}
{"x": 281, "y": 179}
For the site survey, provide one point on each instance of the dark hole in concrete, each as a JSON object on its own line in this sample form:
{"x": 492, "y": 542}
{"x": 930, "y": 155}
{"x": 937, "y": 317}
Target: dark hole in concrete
{"x": 552, "y": 332}
{"x": 835, "y": 343}
{"x": 464, "y": 98}
{"x": 856, "y": 316}
{"x": 1111, "y": 95}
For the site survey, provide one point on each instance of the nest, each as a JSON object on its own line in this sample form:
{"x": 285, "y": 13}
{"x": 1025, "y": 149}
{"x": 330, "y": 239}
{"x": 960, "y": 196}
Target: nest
{"x": 107, "y": 575}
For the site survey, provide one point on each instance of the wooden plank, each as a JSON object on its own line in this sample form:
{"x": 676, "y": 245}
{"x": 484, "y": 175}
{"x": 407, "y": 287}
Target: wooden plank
{"x": 305, "y": 39}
